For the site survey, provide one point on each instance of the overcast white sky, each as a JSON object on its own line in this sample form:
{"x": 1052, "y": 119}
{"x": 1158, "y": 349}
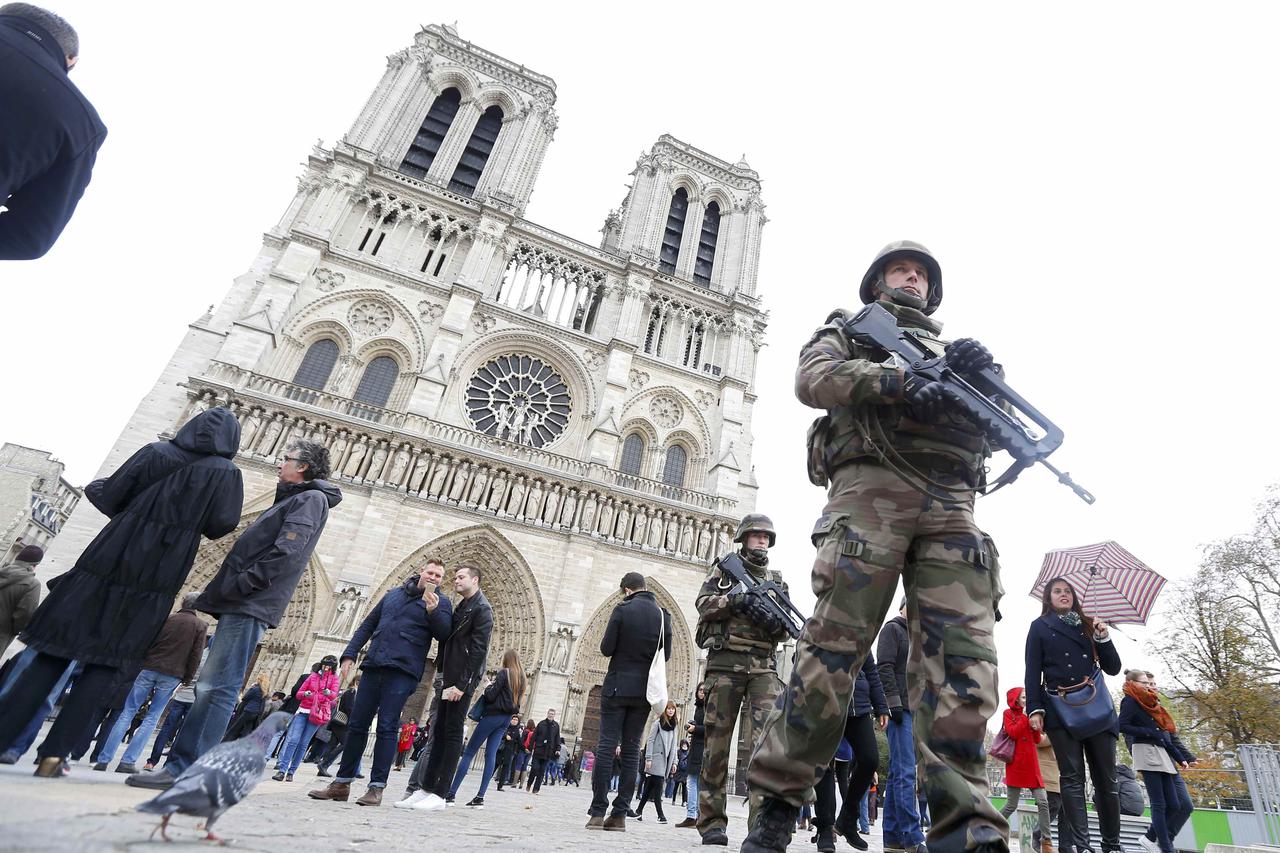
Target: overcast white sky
{"x": 1099, "y": 183}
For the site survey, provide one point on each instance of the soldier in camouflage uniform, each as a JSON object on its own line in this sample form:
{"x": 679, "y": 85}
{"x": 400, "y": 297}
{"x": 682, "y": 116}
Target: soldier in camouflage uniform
{"x": 742, "y": 644}
{"x": 901, "y": 470}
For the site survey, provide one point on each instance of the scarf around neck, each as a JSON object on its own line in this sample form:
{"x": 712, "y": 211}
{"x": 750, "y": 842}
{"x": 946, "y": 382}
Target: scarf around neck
{"x": 1150, "y": 702}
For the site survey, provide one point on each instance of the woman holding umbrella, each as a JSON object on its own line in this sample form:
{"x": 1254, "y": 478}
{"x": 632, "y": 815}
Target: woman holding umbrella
{"x": 1067, "y": 649}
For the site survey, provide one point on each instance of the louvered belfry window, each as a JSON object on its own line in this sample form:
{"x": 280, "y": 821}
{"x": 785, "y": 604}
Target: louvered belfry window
{"x": 376, "y": 383}
{"x": 467, "y": 176}
{"x": 632, "y": 455}
{"x": 317, "y": 364}
{"x": 670, "y": 252}
{"x": 705, "y": 263}
{"x": 426, "y": 145}
{"x": 673, "y": 468}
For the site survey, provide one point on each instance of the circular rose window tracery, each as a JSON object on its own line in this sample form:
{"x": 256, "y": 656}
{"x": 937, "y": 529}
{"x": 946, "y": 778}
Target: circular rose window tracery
{"x": 519, "y": 398}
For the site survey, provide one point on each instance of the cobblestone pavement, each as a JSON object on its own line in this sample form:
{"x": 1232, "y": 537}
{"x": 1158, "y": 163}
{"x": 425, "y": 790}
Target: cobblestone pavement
{"x": 90, "y": 811}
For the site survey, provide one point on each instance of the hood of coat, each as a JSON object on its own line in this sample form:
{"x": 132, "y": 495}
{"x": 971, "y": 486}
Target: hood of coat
{"x": 16, "y": 573}
{"x": 331, "y": 492}
{"x": 1012, "y": 697}
{"x": 215, "y": 432}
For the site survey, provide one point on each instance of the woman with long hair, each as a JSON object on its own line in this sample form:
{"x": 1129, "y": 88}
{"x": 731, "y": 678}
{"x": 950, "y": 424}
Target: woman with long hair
{"x": 659, "y": 759}
{"x": 1148, "y": 731}
{"x": 316, "y": 698}
{"x": 1066, "y": 648}
{"x": 502, "y": 698}
{"x": 250, "y": 710}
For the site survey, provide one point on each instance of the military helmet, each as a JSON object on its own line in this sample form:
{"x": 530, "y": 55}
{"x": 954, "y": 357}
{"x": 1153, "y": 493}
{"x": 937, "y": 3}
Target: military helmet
{"x": 756, "y": 523}
{"x": 911, "y": 249}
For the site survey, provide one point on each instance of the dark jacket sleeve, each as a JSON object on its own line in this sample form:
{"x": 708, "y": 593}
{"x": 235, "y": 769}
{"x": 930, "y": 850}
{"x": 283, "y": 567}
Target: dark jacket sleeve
{"x": 1034, "y": 663}
{"x": 1108, "y": 658}
{"x": 887, "y": 654}
{"x": 878, "y": 700}
{"x": 609, "y": 642}
{"x": 111, "y": 495}
{"x": 228, "y": 506}
{"x": 364, "y": 632}
{"x": 300, "y": 524}
{"x": 1138, "y": 724}
{"x": 197, "y": 651}
{"x": 27, "y": 604}
{"x": 1181, "y": 753}
{"x": 481, "y": 629}
{"x": 666, "y": 634}
{"x": 39, "y": 210}
{"x": 440, "y": 621}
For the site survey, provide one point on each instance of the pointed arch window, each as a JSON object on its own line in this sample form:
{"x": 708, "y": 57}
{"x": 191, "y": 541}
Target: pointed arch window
{"x": 376, "y": 383}
{"x": 474, "y": 157}
{"x": 632, "y": 455}
{"x": 317, "y": 364}
{"x": 426, "y": 145}
{"x": 705, "y": 263}
{"x": 670, "y": 252}
{"x": 673, "y": 467}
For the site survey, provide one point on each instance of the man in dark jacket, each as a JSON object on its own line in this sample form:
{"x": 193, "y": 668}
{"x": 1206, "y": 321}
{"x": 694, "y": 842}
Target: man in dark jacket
{"x": 172, "y": 660}
{"x": 401, "y": 626}
{"x": 902, "y": 829}
{"x": 19, "y": 593}
{"x": 631, "y": 638}
{"x": 507, "y": 752}
{"x": 248, "y": 595}
{"x": 50, "y": 134}
{"x": 546, "y": 740}
{"x": 160, "y": 501}
{"x": 462, "y": 664}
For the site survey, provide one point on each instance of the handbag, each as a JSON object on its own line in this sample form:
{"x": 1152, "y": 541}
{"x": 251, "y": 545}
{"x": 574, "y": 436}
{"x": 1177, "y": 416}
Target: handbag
{"x": 478, "y": 709}
{"x": 320, "y": 711}
{"x": 1084, "y": 709}
{"x": 339, "y": 718}
{"x": 1002, "y": 746}
{"x": 655, "y": 690}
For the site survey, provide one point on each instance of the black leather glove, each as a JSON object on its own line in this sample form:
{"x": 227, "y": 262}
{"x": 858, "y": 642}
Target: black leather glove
{"x": 926, "y": 400}
{"x": 895, "y": 714}
{"x": 968, "y": 357}
{"x": 738, "y": 602}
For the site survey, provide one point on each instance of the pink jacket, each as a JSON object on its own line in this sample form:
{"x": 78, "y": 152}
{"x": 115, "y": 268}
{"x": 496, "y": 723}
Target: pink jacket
{"x": 313, "y": 690}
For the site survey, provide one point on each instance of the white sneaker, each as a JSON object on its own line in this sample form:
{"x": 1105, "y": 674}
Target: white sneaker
{"x": 1148, "y": 845}
{"x": 429, "y": 803}
{"x": 411, "y": 800}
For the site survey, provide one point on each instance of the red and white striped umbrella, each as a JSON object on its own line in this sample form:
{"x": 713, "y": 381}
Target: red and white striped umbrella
{"x": 1113, "y": 585}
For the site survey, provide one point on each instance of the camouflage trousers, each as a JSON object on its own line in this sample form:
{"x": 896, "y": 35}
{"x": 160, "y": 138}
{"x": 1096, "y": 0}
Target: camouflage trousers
{"x": 732, "y": 679}
{"x": 874, "y": 529}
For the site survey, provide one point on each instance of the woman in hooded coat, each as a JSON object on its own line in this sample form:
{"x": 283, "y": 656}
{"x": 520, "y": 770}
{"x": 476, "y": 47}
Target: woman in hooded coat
{"x": 1024, "y": 770}
{"x": 109, "y": 608}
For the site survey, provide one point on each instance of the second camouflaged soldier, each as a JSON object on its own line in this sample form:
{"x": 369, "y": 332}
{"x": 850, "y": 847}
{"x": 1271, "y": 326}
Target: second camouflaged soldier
{"x": 742, "y": 646}
{"x": 902, "y": 470}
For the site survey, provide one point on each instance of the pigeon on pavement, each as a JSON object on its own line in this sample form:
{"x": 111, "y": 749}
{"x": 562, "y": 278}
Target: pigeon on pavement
{"x": 219, "y": 779}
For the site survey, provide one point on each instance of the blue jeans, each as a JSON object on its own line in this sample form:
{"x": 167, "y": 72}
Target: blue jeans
{"x": 217, "y": 689}
{"x": 862, "y": 814}
{"x": 901, "y": 817}
{"x": 296, "y": 740}
{"x": 382, "y": 691}
{"x": 488, "y": 731}
{"x": 691, "y": 808}
{"x": 28, "y": 735}
{"x": 1170, "y": 807}
{"x": 172, "y": 721}
{"x": 147, "y": 682}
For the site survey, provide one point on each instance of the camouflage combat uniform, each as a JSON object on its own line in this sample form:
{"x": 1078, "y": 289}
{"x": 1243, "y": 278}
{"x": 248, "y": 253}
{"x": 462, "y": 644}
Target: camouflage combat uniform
{"x": 874, "y": 528}
{"x": 741, "y": 666}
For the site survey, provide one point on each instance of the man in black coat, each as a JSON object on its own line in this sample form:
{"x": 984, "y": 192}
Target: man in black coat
{"x": 50, "y": 134}
{"x": 402, "y": 626}
{"x": 630, "y": 642}
{"x": 248, "y": 595}
{"x": 462, "y": 664}
{"x": 511, "y": 742}
{"x": 546, "y": 740}
{"x": 110, "y": 607}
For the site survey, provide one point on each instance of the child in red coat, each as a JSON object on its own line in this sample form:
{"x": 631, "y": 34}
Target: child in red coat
{"x": 1023, "y": 771}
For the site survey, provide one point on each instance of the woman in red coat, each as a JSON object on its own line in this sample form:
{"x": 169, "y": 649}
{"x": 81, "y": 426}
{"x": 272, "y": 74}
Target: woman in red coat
{"x": 405, "y": 744}
{"x": 1024, "y": 771}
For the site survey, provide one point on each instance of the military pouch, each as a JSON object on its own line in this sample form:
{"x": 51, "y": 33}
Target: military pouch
{"x": 992, "y": 557}
{"x": 816, "y": 441}
{"x": 826, "y": 523}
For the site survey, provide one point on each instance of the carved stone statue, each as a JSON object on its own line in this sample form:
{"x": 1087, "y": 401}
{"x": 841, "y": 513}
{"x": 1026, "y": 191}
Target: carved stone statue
{"x": 605, "y": 527}
{"x": 399, "y": 467}
{"x": 533, "y": 506}
{"x": 379, "y": 462}
{"x": 337, "y": 448}
{"x": 515, "y": 503}
{"x": 344, "y": 607}
{"x": 438, "y": 475}
{"x": 686, "y": 537}
{"x": 704, "y": 541}
{"x": 569, "y": 509}
{"x": 249, "y": 427}
{"x": 459, "y": 486}
{"x": 479, "y": 480}
{"x": 421, "y": 465}
{"x": 355, "y": 460}
{"x": 641, "y": 526}
{"x": 558, "y": 659}
{"x": 269, "y": 436}
{"x": 588, "y": 521}
{"x": 499, "y": 492}
{"x": 622, "y": 525}
{"x": 551, "y": 509}
{"x": 656, "y": 527}
{"x": 672, "y": 539}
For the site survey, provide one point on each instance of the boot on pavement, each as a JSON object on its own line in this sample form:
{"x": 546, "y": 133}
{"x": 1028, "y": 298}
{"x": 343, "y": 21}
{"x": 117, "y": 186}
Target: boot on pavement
{"x": 826, "y": 840}
{"x": 715, "y": 837}
{"x": 687, "y": 823}
{"x": 372, "y": 797}
{"x": 596, "y": 822}
{"x": 616, "y": 823}
{"x": 338, "y": 791}
{"x": 772, "y": 832}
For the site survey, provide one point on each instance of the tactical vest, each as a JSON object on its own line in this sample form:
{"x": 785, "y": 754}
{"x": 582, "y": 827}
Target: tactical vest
{"x": 735, "y": 633}
{"x": 837, "y": 438}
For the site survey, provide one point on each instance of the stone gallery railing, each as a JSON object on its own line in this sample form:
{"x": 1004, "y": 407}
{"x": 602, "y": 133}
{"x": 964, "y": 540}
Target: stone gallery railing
{"x": 465, "y": 469}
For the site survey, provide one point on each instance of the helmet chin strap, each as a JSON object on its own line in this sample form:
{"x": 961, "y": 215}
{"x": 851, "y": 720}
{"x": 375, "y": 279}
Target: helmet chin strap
{"x": 901, "y": 297}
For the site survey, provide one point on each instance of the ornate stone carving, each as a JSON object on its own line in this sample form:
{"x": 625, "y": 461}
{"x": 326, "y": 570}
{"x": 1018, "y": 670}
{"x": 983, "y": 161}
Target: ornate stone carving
{"x": 346, "y": 604}
{"x": 705, "y": 399}
{"x": 327, "y": 279}
{"x": 483, "y": 323}
{"x": 593, "y": 360}
{"x": 368, "y": 317}
{"x": 638, "y": 379}
{"x": 666, "y": 411}
{"x": 519, "y": 398}
{"x": 560, "y": 648}
{"x": 430, "y": 311}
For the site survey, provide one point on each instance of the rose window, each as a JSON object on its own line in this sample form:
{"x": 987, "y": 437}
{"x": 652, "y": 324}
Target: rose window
{"x": 519, "y": 398}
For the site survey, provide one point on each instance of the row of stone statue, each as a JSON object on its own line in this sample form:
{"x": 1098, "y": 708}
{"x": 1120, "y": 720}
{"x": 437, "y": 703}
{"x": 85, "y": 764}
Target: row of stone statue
{"x": 449, "y": 478}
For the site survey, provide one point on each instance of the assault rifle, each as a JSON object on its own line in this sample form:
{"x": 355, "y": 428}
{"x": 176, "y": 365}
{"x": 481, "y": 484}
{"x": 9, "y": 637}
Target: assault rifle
{"x": 768, "y": 593}
{"x": 985, "y": 399}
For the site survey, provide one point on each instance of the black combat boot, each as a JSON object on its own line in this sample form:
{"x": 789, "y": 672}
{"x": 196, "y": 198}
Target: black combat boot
{"x": 825, "y": 839}
{"x": 774, "y": 826}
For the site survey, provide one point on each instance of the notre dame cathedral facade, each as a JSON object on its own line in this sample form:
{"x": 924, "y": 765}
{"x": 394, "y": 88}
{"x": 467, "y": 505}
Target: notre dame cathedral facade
{"x": 490, "y": 391}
